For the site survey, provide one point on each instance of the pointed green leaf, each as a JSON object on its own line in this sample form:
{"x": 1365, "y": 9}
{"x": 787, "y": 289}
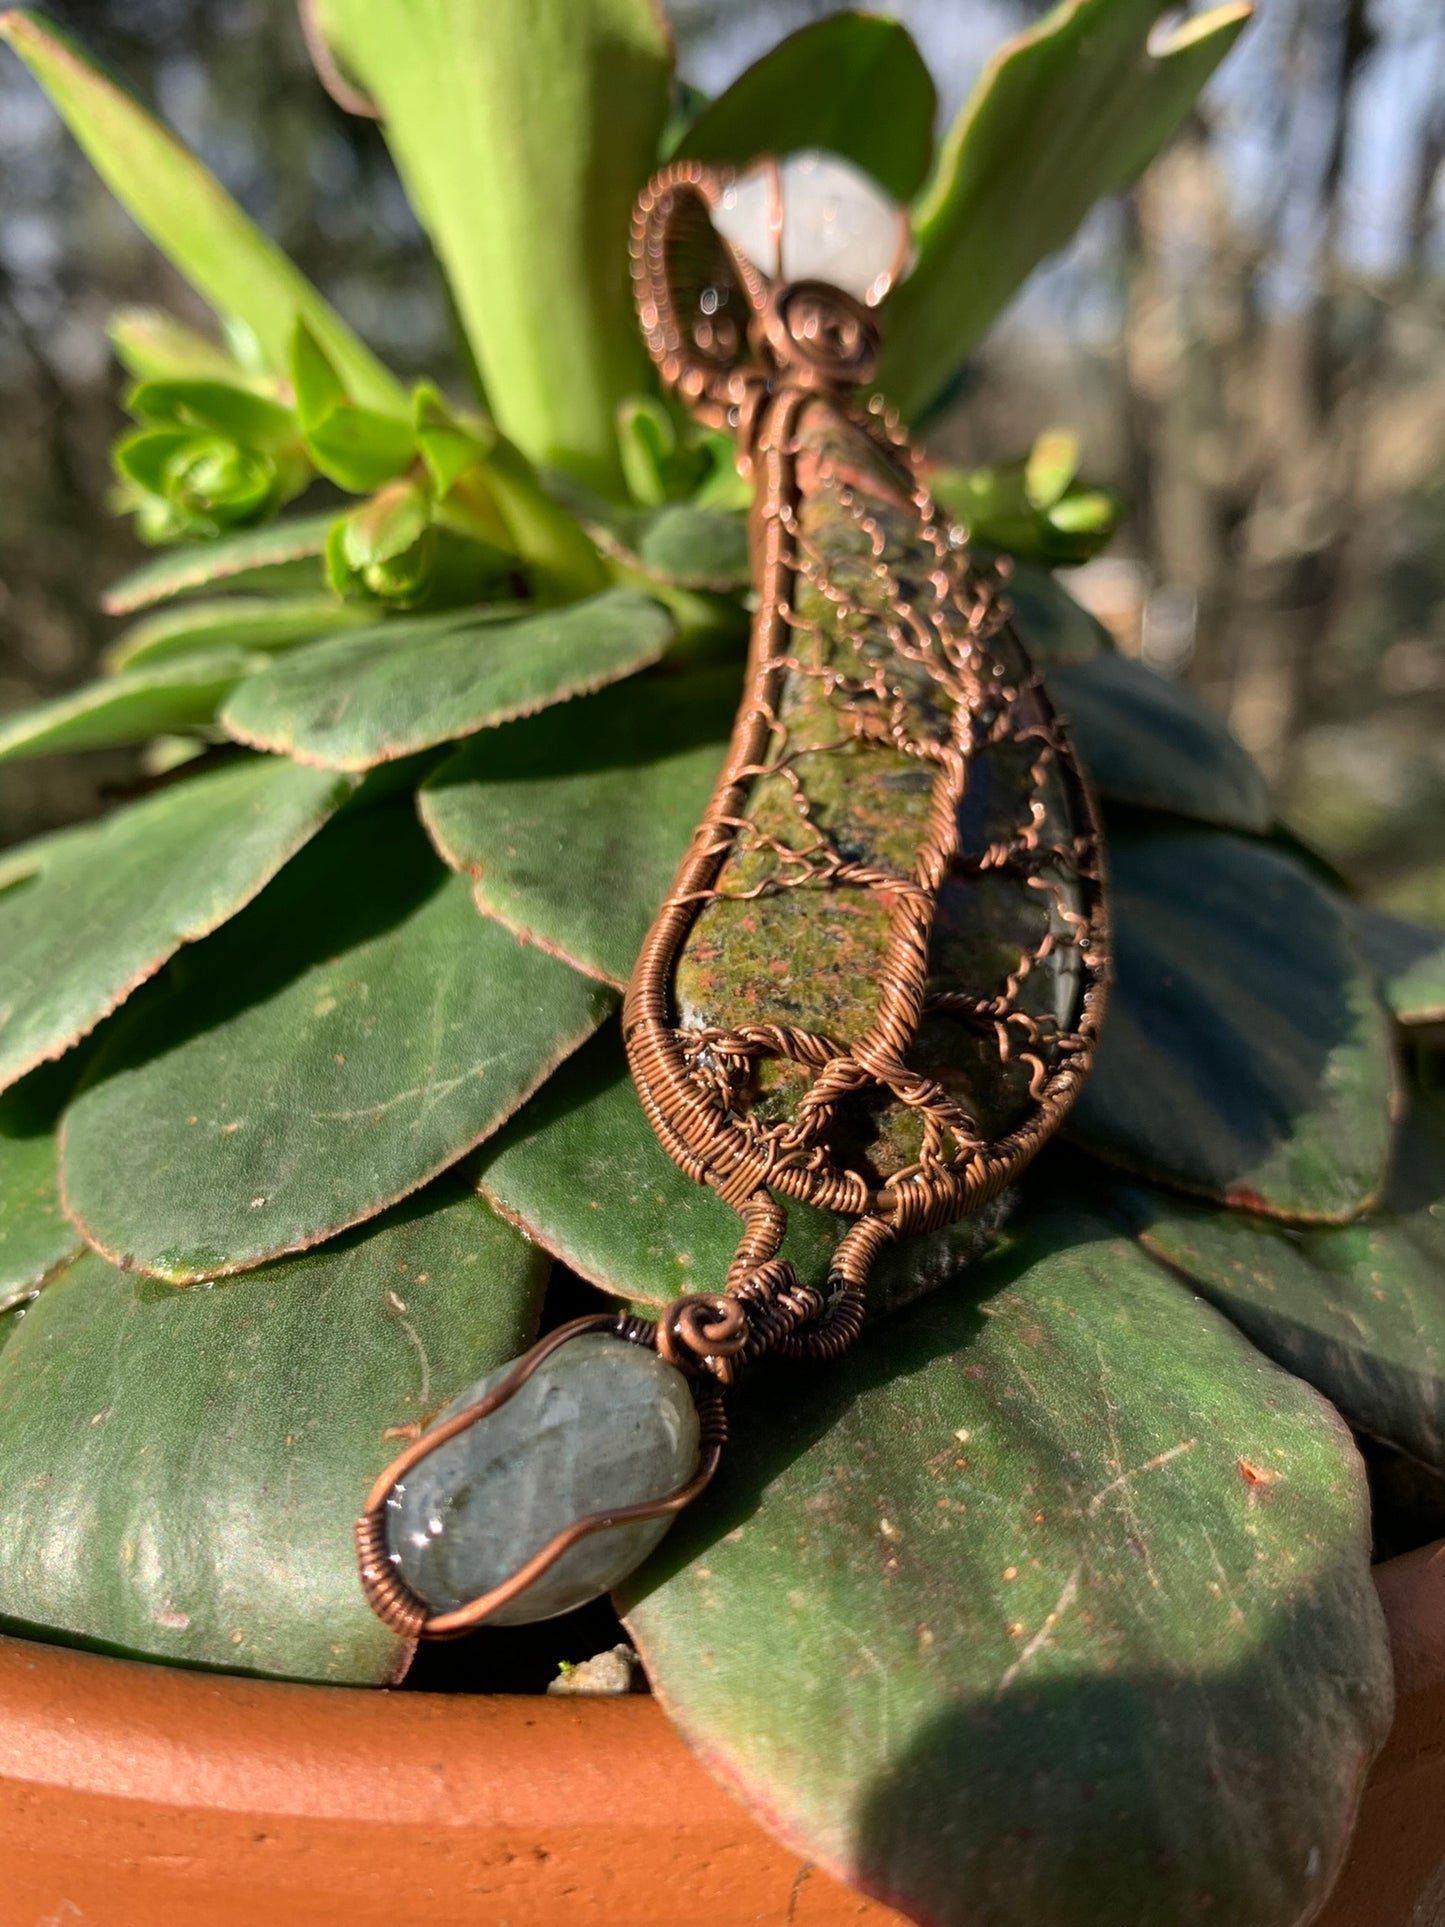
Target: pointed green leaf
{"x": 1148, "y": 741}
{"x": 153, "y": 346}
{"x": 523, "y": 130}
{"x": 384, "y": 528}
{"x": 186, "y": 211}
{"x": 327, "y": 1053}
{"x": 100, "y": 909}
{"x": 184, "y": 1466}
{"x": 571, "y": 823}
{"x": 1014, "y": 1613}
{"x": 448, "y": 445}
{"x": 357, "y": 448}
{"x": 1074, "y": 107}
{"x": 853, "y": 83}
{"x": 204, "y": 402}
{"x": 1244, "y": 1054}
{"x": 35, "y": 1237}
{"x": 648, "y": 445}
{"x": 1358, "y": 1311}
{"x": 582, "y": 1173}
{"x": 1408, "y": 959}
{"x": 679, "y": 543}
{"x": 253, "y": 559}
{"x": 232, "y": 622}
{"x": 179, "y": 693}
{"x": 368, "y": 698}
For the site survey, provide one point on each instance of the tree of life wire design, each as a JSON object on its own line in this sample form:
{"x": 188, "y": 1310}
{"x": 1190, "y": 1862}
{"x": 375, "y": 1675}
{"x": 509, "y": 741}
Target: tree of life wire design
{"x": 885, "y": 630}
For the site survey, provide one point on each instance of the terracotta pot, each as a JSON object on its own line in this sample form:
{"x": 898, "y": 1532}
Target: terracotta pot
{"x": 139, "y": 1796}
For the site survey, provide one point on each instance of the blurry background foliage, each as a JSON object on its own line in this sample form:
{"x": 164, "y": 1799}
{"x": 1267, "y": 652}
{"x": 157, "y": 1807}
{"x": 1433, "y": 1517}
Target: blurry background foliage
{"x": 1250, "y": 350}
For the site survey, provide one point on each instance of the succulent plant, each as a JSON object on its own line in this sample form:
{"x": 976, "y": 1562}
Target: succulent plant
{"x": 1052, "y": 1601}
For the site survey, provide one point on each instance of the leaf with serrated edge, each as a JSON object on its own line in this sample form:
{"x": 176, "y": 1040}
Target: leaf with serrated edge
{"x": 186, "y": 211}
{"x": 852, "y": 84}
{"x": 581, "y": 1172}
{"x": 178, "y": 694}
{"x": 1244, "y": 1055}
{"x": 34, "y": 1235}
{"x": 233, "y": 559}
{"x": 1073, "y": 108}
{"x": 1358, "y": 1310}
{"x": 1408, "y": 959}
{"x": 354, "y": 1033}
{"x": 102, "y": 908}
{"x": 1145, "y": 740}
{"x": 571, "y": 823}
{"x": 1012, "y": 1614}
{"x": 368, "y": 698}
{"x": 269, "y": 623}
{"x": 185, "y": 1464}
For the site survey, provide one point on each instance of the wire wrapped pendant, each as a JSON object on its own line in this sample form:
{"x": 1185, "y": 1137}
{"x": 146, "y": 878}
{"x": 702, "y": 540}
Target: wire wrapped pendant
{"x": 877, "y": 980}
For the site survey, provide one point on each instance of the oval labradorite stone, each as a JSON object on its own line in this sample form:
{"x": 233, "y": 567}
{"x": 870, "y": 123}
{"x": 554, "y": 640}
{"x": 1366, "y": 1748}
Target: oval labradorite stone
{"x": 601, "y": 1423}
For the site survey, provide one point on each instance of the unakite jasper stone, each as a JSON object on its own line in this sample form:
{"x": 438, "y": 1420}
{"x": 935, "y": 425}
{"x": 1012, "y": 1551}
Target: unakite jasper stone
{"x": 601, "y": 1423}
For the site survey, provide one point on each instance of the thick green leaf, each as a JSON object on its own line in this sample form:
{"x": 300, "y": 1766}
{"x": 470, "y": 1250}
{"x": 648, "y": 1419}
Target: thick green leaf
{"x": 327, "y": 1053}
{"x": 1013, "y": 506}
{"x": 34, "y": 1235}
{"x": 523, "y": 129}
{"x": 1244, "y": 1055}
{"x": 96, "y": 911}
{"x": 581, "y": 1172}
{"x": 1015, "y": 1615}
{"x": 1147, "y": 741}
{"x": 253, "y": 559}
{"x": 368, "y": 698}
{"x": 179, "y": 693}
{"x": 232, "y": 622}
{"x": 1359, "y": 1311}
{"x": 682, "y": 544}
{"x": 1074, "y": 107}
{"x": 186, "y": 211}
{"x": 1409, "y": 960}
{"x": 184, "y": 1466}
{"x": 572, "y": 823}
{"x": 357, "y": 448}
{"x": 204, "y": 401}
{"x": 692, "y": 548}
{"x": 1055, "y": 627}
{"x": 853, "y": 83}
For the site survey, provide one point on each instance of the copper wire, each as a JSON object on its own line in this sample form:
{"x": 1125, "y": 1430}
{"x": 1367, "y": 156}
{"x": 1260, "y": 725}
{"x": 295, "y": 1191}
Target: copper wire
{"x": 751, "y": 359}
{"x": 812, "y": 346}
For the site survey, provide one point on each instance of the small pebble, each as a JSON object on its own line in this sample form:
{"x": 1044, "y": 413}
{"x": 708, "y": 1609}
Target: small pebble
{"x": 615, "y": 1671}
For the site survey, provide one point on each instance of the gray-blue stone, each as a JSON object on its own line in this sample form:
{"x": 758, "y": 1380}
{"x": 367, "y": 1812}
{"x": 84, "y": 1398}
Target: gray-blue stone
{"x": 601, "y": 1423}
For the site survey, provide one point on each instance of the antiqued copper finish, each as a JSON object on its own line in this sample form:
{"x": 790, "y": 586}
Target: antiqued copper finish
{"x": 926, "y": 669}
{"x": 387, "y": 1593}
{"x": 777, "y": 366}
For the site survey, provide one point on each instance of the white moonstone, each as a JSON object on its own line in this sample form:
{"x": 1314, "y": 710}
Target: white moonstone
{"x": 815, "y": 217}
